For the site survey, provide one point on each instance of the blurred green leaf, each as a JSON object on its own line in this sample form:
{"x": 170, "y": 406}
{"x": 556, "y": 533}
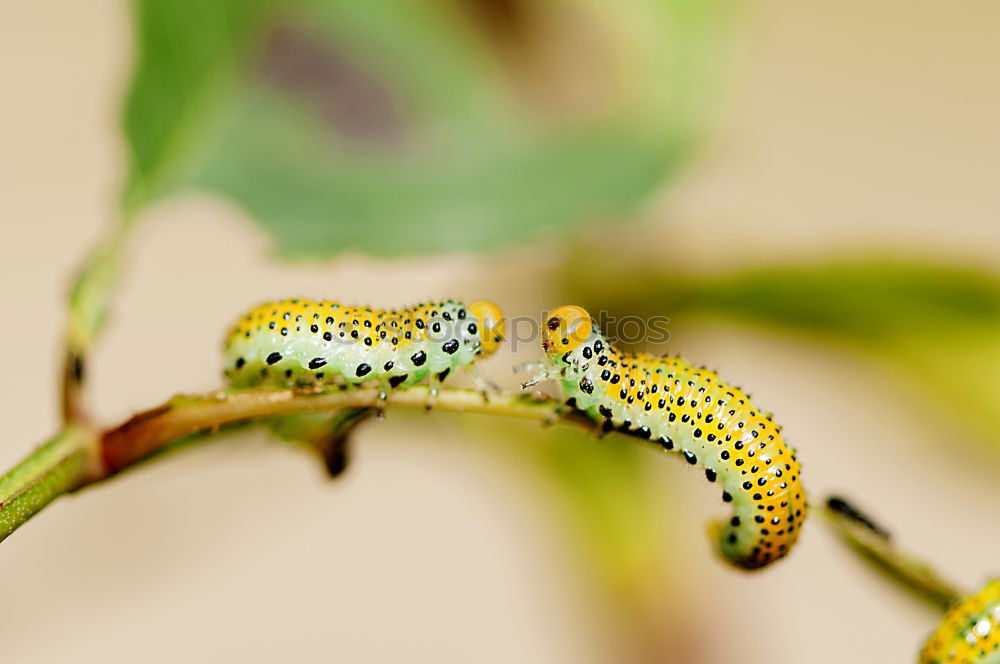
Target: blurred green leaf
{"x": 939, "y": 324}
{"x": 188, "y": 60}
{"x": 609, "y": 494}
{"x": 403, "y": 126}
{"x": 619, "y": 512}
{"x": 608, "y": 489}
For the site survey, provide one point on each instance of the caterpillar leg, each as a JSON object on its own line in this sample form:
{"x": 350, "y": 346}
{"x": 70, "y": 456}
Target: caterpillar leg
{"x": 380, "y": 402}
{"x": 539, "y": 369}
{"x": 484, "y": 385}
{"x": 434, "y": 383}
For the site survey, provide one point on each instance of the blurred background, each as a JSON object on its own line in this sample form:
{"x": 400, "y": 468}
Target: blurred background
{"x": 807, "y": 189}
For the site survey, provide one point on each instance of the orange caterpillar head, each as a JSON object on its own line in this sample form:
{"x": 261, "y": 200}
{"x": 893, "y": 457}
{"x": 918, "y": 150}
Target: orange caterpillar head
{"x": 491, "y": 324}
{"x": 565, "y": 329}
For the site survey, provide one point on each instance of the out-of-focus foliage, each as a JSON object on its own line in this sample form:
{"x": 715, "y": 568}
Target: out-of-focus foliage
{"x": 404, "y": 126}
{"x": 621, "y": 526}
{"x": 939, "y": 324}
{"x": 608, "y": 487}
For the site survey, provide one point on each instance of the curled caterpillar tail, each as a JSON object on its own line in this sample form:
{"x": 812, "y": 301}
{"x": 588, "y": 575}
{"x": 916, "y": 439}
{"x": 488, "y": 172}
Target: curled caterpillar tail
{"x": 693, "y": 413}
{"x": 307, "y": 342}
{"x": 970, "y": 631}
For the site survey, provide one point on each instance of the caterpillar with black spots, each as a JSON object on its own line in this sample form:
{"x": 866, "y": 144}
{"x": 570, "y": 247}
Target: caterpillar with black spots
{"x": 691, "y": 412}
{"x": 300, "y": 342}
{"x": 970, "y": 631}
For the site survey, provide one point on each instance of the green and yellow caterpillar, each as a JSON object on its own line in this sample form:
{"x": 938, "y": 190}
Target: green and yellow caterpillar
{"x": 298, "y": 342}
{"x": 691, "y": 412}
{"x": 970, "y": 631}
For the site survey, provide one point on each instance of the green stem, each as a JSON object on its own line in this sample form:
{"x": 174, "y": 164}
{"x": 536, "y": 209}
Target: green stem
{"x": 62, "y": 464}
{"x": 88, "y": 309}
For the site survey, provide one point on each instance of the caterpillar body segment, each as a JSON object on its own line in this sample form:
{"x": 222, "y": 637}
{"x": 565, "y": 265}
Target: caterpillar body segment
{"x": 693, "y": 413}
{"x": 299, "y": 342}
{"x": 970, "y": 631}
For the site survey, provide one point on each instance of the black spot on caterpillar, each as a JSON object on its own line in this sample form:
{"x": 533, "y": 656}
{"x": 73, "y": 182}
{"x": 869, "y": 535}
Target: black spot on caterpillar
{"x": 692, "y": 412}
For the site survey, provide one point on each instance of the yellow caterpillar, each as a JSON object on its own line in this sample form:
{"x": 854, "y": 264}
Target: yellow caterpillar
{"x": 693, "y": 413}
{"x": 970, "y": 631}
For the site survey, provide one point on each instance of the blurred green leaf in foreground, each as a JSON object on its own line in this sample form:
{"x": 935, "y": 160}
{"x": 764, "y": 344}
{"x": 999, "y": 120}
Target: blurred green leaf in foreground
{"x": 938, "y": 324}
{"x": 620, "y": 521}
{"x": 404, "y": 126}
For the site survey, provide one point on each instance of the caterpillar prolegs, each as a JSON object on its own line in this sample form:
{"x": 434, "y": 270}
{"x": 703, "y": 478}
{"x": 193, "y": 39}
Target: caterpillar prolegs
{"x": 970, "y": 631}
{"x": 300, "y": 342}
{"x": 691, "y": 412}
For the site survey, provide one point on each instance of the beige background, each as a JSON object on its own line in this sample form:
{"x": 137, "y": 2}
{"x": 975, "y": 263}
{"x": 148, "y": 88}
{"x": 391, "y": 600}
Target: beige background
{"x": 847, "y": 125}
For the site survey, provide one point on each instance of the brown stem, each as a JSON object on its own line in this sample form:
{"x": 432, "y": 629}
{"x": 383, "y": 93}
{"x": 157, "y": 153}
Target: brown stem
{"x": 182, "y": 416}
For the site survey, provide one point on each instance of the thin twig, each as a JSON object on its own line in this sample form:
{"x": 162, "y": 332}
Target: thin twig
{"x": 88, "y": 309}
{"x": 151, "y": 430}
{"x": 78, "y": 456}
{"x": 875, "y": 545}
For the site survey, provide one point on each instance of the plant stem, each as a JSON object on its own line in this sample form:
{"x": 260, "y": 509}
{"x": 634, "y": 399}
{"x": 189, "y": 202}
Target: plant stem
{"x": 88, "y": 309}
{"x": 78, "y": 456}
{"x": 151, "y": 430}
{"x": 875, "y": 546}
{"x": 62, "y": 464}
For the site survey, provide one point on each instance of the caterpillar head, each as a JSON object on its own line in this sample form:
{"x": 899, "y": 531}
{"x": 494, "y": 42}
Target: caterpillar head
{"x": 491, "y": 325}
{"x": 565, "y": 329}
